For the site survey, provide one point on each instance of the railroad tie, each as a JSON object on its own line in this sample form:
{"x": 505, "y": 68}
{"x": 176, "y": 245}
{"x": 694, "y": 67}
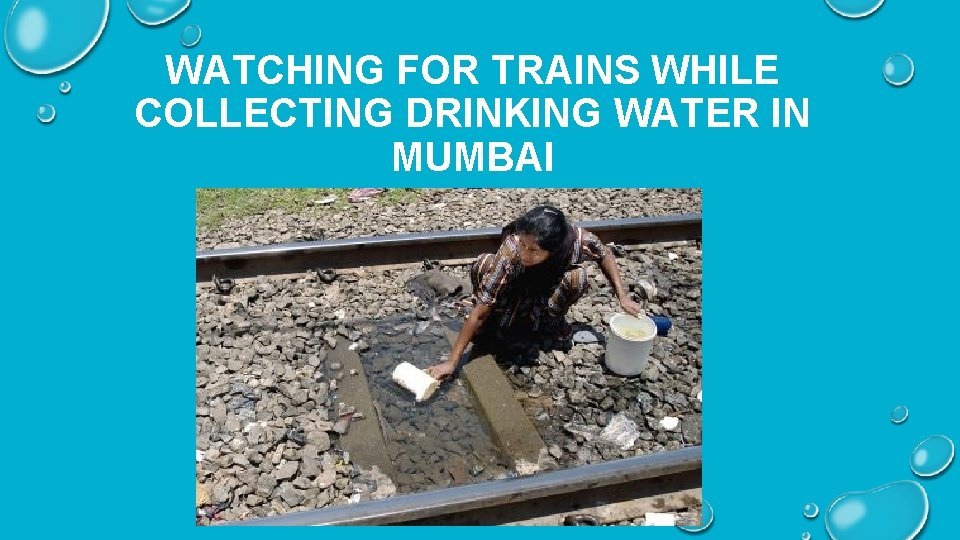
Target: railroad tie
{"x": 510, "y": 427}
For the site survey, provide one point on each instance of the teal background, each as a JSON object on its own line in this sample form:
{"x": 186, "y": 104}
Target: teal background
{"x": 828, "y": 291}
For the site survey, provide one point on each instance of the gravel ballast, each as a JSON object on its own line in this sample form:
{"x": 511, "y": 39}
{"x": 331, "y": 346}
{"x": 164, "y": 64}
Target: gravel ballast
{"x": 268, "y": 419}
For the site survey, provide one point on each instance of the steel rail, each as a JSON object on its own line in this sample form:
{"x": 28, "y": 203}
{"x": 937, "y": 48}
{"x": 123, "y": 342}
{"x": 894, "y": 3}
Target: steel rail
{"x": 419, "y": 506}
{"x": 414, "y": 247}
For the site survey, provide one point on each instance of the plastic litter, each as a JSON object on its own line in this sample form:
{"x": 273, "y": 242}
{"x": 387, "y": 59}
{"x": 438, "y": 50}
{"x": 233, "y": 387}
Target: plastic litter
{"x": 584, "y": 336}
{"x": 657, "y": 519}
{"x": 223, "y": 285}
{"x": 362, "y": 194}
{"x": 669, "y": 422}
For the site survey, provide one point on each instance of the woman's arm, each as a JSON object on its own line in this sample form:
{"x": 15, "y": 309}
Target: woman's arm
{"x": 609, "y": 266}
{"x": 473, "y": 323}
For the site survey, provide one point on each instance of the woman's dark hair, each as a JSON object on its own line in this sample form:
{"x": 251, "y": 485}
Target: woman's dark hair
{"x": 545, "y": 223}
{"x": 553, "y": 233}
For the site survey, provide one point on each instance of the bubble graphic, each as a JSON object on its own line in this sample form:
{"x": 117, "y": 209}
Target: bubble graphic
{"x": 190, "y": 36}
{"x": 706, "y": 519}
{"x": 898, "y": 69}
{"x": 810, "y": 510}
{"x": 899, "y": 414}
{"x": 895, "y": 511}
{"x": 46, "y": 113}
{"x": 46, "y": 36}
{"x": 65, "y": 87}
{"x": 154, "y": 12}
{"x": 932, "y": 456}
{"x": 854, "y": 9}
{"x": 805, "y": 536}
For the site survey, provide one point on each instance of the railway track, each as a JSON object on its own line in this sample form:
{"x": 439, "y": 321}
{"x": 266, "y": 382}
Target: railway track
{"x": 613, "y": 491}
{"x": 633, "y": 485}
{"x": 415, "y": 247}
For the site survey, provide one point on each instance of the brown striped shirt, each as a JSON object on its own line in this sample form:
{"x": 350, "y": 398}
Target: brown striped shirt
{"x": 507, "y": 266}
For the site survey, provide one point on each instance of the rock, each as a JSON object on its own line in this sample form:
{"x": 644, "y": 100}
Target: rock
{"x": 648, "y": 289}
{"x": 204, "y": 494}
{"x": 326, "y": 478}
{"x": 692, "y": 427}
{"x": 286, "y": 470}
{"x": 621, "y": 432}
{"x": 342, "y": 426}
{"x": 302, "y": 483}
{"x": 323, "y": 499}
{"x": 647, "y": 402}
{"x": 223, "y": 491}
{"x": 218, "y": 412}
{"x": 290, "y": 495}
{"x": 310, "y": 468}
{"x": 433, "y": 285}
{"x": 318, "y": 439}
{"x": 321, "y": 392}
{"x": 296, "y": 436}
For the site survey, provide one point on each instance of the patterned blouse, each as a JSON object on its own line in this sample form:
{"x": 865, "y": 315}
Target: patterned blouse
{"x": 506, "y": 264}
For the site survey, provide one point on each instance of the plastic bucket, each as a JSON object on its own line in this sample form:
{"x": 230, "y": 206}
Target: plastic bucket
{"x": 628, "y": 348}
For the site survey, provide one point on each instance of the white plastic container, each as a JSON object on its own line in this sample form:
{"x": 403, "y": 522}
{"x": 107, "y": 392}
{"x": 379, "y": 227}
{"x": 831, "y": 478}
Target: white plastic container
{"x": 629, "y": 344}
{"x": 413, "y": 379}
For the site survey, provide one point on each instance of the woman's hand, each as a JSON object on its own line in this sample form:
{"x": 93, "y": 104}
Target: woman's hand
{"x": 609, "y": 266}
{"x": 441, "y": 371}
{"x": 631, "y": 307}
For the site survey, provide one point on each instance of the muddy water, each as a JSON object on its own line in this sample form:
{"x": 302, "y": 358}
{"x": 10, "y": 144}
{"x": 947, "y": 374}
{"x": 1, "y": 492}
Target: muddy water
{"x": 437, "y": 443}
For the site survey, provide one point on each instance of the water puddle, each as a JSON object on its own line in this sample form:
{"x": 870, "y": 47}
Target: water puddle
{"x": 438, "y": 443}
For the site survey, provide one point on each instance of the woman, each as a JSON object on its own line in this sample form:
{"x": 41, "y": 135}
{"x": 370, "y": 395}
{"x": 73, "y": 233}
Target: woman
{"x": 530, "y": 283}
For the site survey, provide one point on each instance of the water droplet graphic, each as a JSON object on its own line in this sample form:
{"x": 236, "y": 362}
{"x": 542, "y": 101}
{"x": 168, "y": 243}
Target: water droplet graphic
{"x": 899, "y": 414}
{"x": 706, "y": 519}
{"x": 46, "y": 36}
{"x": 190, "y": 36}
{"x": 46, "y": 113}
{"x": 932, "y": 456}
{"x": 898, "y": 69}
{"x": 805, "y": 536}
{"x": 895, "y": 511}
{"x": 154, "y": 12}
{"x": 854, "y": 9}
{"x": 810, "y": 510}
{"x": 65, "y": 87}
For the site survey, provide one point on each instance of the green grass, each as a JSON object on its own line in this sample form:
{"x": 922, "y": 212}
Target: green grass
{"x": 215, "y": 206}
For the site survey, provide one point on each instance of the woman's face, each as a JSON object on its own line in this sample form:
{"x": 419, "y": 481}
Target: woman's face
{"x": 531, "y": 253}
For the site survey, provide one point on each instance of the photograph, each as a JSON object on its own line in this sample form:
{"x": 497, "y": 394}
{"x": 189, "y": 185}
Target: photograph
{"x": 378, "y": 356}
{"x": 448, "y": 266}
